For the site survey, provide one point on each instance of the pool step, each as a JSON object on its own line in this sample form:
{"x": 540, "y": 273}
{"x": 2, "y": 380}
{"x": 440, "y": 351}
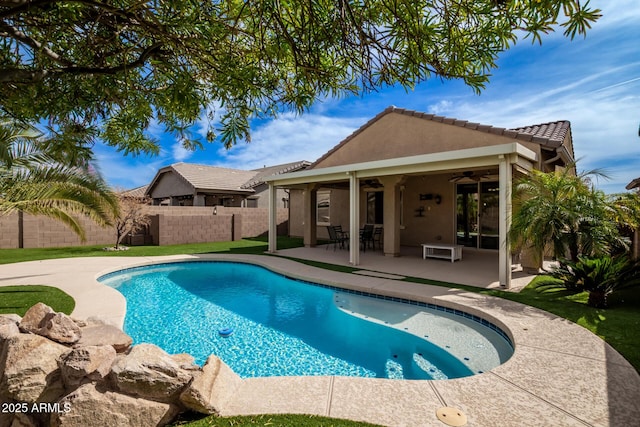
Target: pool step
{"x": 428, "y": 367}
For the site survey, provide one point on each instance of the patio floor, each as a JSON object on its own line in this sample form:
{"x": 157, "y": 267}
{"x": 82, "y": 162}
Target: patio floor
{"x": 476, "y": 268}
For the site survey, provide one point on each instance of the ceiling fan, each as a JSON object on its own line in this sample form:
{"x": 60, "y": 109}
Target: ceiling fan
{"x": 471, "y": 177}
{"x": 372, "y": 183}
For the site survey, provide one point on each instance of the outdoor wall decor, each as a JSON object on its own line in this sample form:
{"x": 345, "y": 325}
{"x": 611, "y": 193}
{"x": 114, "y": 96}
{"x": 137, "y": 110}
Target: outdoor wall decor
{"x": 429, "y": 196}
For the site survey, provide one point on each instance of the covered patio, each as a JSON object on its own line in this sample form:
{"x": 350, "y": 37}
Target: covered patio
{"x": 476, "y": 268}
{"x": 391, "y": 174}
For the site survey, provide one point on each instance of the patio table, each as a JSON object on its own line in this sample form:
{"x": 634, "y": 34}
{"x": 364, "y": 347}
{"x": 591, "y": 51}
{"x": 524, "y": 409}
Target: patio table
{"x": 434, "y": 250}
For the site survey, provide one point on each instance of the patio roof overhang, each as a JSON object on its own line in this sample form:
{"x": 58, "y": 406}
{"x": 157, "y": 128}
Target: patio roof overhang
{"x": 522, "y": 158}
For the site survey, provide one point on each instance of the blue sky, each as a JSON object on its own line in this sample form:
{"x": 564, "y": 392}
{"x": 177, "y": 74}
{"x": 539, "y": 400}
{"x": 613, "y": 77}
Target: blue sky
{"x": 592, "y": 82}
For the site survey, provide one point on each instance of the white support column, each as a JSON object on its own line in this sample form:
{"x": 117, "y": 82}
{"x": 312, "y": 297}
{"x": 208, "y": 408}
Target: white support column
{"x": 273, "y": 223}
{"x": 354, "y": 219}
{"x": 504, "y": 250}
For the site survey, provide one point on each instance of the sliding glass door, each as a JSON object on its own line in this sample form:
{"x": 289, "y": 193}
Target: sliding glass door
{"x": 477, "y": 215}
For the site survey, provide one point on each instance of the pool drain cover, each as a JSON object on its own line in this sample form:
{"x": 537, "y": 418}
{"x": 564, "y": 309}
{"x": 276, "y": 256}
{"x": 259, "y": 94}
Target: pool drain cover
{"x": 451, "y": 416}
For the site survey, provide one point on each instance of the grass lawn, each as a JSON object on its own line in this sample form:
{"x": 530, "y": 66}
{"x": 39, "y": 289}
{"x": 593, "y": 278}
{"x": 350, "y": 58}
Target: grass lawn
{"x": 257, "y": 245}
{"x": 18, "y": 299}
{"x": 280, "y": 420}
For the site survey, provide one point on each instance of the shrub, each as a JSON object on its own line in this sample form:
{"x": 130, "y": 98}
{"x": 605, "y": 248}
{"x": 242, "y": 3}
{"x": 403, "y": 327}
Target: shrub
{"x": 600, "y": 276}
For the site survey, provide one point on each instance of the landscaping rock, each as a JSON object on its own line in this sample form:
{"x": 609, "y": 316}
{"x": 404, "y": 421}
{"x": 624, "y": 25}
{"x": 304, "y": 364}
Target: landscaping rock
{"x": 7, "y": 331}
{"x": 30, "y": 367}
{"x": 91, "y": 363}
{"x": 23, "y": 420}
{"x": 42, "y": 320}
{"x": 9, "y": 318}
{"x": 185, "y": 361}
{"x": 211, "y": 387}
{"x": 88, "y": 406}
{"x": 103, "y": 334}
{"x": 148, "y": 371}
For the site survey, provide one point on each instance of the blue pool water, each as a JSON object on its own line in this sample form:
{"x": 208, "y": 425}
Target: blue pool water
{"x": 287, "y": 327}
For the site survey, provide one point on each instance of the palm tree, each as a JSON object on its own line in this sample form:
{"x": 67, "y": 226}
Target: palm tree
{"x": 32, "y": 181}
{"x": 565, "y": 212}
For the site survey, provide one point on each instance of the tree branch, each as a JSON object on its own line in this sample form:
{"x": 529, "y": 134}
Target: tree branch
{"x": 16, "y": 34}
{"x": 17, "y": 75}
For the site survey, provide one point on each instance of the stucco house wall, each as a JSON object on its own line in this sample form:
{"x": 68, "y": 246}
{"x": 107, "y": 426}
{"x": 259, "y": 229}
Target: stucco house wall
{"x": 171, "y": 185}
{"x": 434, "y": 222}
{"x": 395, "y": 135}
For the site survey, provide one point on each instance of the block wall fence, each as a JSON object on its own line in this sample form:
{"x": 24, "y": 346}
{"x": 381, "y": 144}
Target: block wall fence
{"x": 170, "y": 225}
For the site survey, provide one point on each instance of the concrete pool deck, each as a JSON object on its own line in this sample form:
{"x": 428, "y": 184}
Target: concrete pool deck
{"x": 560, "y": 374}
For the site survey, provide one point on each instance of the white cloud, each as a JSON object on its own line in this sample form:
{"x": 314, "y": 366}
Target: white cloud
{"x": 179, "y": 153}
{"x": 289, "y": 138}
{"x": 126, "y": 171}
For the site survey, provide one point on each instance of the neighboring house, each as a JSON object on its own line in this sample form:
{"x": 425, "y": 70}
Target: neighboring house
{"x": 187, "y": 184}
{"x": 138, "y": 193}
{"x": 425, "y": 179}
{"x": 635, "y": 247}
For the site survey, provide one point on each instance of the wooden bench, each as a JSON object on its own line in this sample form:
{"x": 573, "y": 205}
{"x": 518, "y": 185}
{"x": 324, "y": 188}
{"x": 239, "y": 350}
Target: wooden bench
{"x": 435, "y": 250}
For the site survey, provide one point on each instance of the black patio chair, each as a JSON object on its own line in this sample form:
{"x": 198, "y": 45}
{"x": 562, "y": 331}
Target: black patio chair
{"x": 336, "y": 236}
{"x": 377, "y": 237}
{"x": 366, "y": 236}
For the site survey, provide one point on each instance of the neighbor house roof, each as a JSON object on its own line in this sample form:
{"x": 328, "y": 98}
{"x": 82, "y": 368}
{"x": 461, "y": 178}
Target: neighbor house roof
{"x": 213, "y": 178}
{"x": 633, "y": 184}
{"x": 266, "y": 171}
{"x": 203, "y": 177}
{"x": 136, "y": 193}
{"x": 547, "y": 134}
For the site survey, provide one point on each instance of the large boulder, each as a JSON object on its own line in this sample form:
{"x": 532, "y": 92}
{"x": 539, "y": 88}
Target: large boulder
{"x": 42, "y": 320}
{"x": 90, "y": 406}
{"x": 148, "y": 371}
{"x": 97, "y": 333}
{"x": 211, "y": 387}
{"x": 30, "y": 367}
{"x": 91, "y": 363}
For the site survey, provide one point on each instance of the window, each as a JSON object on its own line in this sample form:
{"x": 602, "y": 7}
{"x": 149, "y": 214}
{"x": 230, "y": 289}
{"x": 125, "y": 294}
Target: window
{"x": 323, "y": 208}
{"x": 375, "y": 207}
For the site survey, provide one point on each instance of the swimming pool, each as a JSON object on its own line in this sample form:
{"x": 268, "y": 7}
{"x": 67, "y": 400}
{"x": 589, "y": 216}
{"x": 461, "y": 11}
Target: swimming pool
{"x": 283, "y": 326}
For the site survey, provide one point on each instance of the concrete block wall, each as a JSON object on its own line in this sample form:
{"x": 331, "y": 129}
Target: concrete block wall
{"x": 9, "y": 231}
{"x": 176, "y": 229}
{"x": 255, "y": 221}
{"x": 43, "y": 232}
{"x": 170, "y": 225}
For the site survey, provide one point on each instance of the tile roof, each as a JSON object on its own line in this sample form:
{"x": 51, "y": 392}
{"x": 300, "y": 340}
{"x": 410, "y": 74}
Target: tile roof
{"x": 633, "y": 184}
{"x": 137, "y": 193}
{"x": 205, "y": 177}
{"x": 274, "y": 170}
{"x": 548, "y": 134}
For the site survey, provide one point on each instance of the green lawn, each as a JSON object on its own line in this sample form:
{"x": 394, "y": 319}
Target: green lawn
{"x": 280, "y": 420}
{"x": 18, "y": 299}
{"x": 256, "y": 245}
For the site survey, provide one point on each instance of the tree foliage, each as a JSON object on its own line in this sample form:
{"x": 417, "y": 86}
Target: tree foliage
{"x": 32, "y": 181}
{"x": 116, "y": 68}
{"x": 565, "y": 212}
